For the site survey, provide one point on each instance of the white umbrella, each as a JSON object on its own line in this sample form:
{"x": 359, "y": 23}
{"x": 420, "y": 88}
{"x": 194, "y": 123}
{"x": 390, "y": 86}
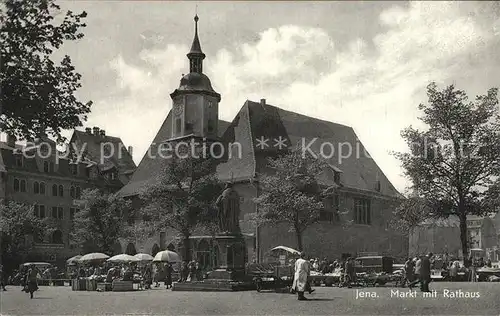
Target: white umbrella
{"x": 73, "y": 260}
{"x": 288, "y": 249}
{"x": 123, "y": 258}
{"x": 95, "y": 256}
{"x": 144, "y": 257}
{"x": 166, "y": 256}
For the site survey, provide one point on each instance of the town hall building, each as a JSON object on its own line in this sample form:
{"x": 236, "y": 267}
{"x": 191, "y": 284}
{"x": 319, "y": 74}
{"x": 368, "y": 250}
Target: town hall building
{"x": 356, "y": 216}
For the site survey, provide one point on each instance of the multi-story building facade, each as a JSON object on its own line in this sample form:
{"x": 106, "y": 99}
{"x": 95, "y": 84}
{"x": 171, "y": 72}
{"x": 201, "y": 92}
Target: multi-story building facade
{"x": 355, "y": 218}
{"x": 441, "y": 236}
{"x": 39, "y": 174}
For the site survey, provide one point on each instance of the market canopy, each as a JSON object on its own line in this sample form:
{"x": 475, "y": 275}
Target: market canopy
{"x": 74, "y": 259}
{"x": 166, "y": 256}
{"x": 95, "y": 256}
{"x": 123, "y": 258}
{"x": 36, "y": 264}
{"x": 287, "y": 249}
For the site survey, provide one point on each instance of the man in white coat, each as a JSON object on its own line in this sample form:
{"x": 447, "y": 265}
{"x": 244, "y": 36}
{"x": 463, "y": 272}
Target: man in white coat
{"x": 302, "y": 271}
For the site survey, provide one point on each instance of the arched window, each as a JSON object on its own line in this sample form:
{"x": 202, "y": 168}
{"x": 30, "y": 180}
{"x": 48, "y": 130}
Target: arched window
{"x": 19, "y": 160}
{"x": 61, "y": 190}
{"x": 38, "y": 236}
{"x": 42, "y": 187}
{"x": 23, "y": 185}
{"x": 131, "y": 250}
{"x": 72, "y": 191}
{"x": 46, "y": 166}
{"x": 57, "y": 237}
{"x": 16, "y": 185}
{"x": 203, "y": 254}
{"x": 78, "y": 192}
{"x": 155, "y": 250}
{"x": 54, "y": 190}
{"x": 36, "y": 187}
{"x": 171, "y": 247}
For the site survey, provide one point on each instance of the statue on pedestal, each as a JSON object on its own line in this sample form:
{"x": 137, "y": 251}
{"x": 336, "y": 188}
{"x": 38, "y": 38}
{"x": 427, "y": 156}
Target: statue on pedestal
{"x": 228, "y": 205}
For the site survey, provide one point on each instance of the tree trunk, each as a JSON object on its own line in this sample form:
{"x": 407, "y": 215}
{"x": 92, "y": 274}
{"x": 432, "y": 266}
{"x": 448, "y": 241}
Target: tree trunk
{"x": 186, "y": 243}
{"x": 463, "y": 234}
{"x": 298, "y": 234}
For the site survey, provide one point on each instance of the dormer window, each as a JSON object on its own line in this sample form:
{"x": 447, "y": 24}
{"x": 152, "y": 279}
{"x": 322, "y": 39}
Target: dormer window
{"x": 73, "y": 169}
{"x": 19, "y": 160}
{"x": 336, "y": 177}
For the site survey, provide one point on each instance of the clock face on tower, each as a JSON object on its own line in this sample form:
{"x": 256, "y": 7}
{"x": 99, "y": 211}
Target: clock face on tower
{"x": 177, "y": 108}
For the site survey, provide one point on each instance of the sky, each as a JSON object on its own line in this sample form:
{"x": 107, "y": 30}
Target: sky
{"x": 362, "y": 64}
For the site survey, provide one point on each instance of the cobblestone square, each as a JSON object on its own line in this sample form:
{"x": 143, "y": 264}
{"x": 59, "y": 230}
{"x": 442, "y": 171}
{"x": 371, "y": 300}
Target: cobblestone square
{"x": 324, "y": 301}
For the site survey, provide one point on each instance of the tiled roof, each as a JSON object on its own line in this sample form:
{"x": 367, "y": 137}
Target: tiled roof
{"x": 255, "y": 121}
{"x": 148, "y": 169}
{"x": 451, "y": 221}
{"x": 121, "y": 160}
{"x": 240, "y": 166}
{"x": 358, "y": 170}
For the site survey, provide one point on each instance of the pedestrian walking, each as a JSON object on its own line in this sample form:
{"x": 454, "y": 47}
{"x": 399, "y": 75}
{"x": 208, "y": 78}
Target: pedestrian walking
{"x": 416, "y": 277}
{"x": 425, "y": 273}
{"x": 168, "y": 275}
{"x": 302, "y": 272}
{"x": 409, "y": 271}
{"x": 31, "y": 280}
{"x": 148, "y": 277}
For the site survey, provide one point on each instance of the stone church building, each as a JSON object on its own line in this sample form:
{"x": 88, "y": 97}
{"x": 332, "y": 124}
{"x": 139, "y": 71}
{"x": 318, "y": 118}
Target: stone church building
{"x": 356, "y": 216}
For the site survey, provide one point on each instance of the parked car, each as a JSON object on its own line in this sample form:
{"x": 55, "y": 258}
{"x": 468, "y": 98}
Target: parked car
{"x": 374, "y": 270}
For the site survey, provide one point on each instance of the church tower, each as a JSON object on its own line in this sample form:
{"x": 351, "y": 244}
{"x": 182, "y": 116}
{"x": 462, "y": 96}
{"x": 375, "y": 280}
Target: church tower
{"x": 195, "y": 108}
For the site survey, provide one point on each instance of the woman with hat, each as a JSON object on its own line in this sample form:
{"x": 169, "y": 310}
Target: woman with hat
{"x": 31, "y": 280}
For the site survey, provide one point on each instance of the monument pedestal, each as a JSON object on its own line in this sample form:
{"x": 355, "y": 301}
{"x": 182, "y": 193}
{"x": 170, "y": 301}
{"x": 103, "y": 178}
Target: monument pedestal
{"x": 230, "y": 274}
{"x": 232, "y": 251}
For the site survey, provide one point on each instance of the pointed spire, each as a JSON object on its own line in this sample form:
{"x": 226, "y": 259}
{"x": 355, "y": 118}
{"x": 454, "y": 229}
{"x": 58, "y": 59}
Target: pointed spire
{"x": 195, "y": 55}
{"x": 196, "y": 47}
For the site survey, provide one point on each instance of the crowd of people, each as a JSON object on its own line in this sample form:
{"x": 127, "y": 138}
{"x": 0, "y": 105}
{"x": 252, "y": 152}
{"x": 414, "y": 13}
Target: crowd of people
{"x": 417, "y": 270}
{"x": 303, "y": 269}
{"x": 145, "y": 274}
{"x": 325, "y": 266}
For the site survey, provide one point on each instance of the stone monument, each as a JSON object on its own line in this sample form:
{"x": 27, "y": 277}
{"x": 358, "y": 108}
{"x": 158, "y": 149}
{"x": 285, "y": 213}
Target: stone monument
{"x": 229, "y": 275}
{"x": 228, "y": 206}
{"x": 232, "y": 248}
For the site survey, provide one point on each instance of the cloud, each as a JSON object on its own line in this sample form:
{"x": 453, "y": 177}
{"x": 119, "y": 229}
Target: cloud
{"x": 373, "y": 85}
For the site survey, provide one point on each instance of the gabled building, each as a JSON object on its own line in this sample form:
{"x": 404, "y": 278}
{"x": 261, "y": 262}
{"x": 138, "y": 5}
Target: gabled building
{"x": 355, "y": 218}
{"x": 40, "y": 175}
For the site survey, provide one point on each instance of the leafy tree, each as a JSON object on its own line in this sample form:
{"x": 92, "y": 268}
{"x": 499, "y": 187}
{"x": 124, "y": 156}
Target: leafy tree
{"x": 183, "y": 199}
{"x": 453, "y": 164}
{"x": 409, "y": 213}
{"x": 98, "y": 226}
{"x": 17, "y": 222}
{"x": 291, "y": 194}
{"x": 36, "y": 93}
